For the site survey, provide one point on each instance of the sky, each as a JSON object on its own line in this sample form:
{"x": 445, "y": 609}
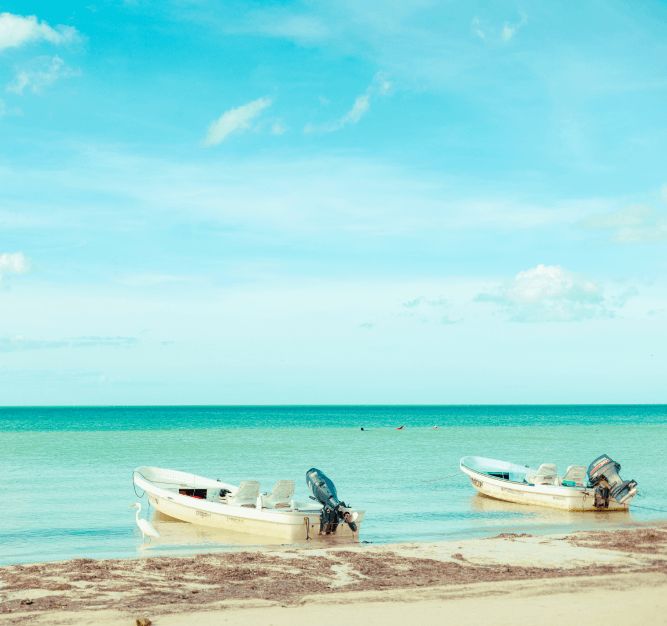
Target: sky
{"x": 380, "y": 202}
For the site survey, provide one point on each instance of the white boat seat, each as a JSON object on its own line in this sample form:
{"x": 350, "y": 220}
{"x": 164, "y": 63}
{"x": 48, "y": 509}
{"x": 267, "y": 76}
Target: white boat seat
{"x": 576, "y": 474}
{"x": 546, "y": 475}
{"x": 245, "y": 495}
{"x": 280, "y": 495}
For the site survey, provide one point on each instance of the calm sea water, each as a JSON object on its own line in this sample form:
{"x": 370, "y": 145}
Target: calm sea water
{"x": 67, "y": 472}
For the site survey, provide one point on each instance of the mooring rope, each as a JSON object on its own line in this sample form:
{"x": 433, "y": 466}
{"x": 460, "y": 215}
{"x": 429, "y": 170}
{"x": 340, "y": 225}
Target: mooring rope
{"x": 648, "y": 508}
{"x": 134, "y": 485}
{"x": 435, "y": 480}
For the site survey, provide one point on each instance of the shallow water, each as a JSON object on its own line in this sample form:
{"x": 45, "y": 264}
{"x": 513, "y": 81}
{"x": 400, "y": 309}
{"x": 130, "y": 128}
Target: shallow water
{"x": 68, "y": 471}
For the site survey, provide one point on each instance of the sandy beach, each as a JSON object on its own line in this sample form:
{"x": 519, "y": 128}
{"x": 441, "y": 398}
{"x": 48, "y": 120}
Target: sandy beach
{"x": 619, "y": 576}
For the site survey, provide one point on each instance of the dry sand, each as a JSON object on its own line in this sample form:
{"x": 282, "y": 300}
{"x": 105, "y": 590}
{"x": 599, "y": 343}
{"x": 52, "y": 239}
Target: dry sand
{"x": 588, "y": 577}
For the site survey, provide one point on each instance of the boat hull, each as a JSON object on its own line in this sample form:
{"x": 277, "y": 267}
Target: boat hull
{"x": 289, "y": 526}
{"x": 552, "y": 496}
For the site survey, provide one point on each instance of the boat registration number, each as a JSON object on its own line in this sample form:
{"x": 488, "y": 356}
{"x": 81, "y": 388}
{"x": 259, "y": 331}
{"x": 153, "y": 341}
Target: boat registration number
{"x": 203, "y": 514}
{"x": 477, "y": 483}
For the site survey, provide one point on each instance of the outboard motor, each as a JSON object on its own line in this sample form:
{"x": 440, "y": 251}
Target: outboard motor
{"x": 603, "y": 475}
{"x": 333, "y": 510}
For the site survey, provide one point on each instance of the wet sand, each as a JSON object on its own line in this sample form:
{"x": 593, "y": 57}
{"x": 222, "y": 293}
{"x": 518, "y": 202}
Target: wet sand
{"x": 616, "y": 576}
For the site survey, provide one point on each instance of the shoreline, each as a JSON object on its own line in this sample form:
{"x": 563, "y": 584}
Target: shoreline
{"x": 367, "y": 576}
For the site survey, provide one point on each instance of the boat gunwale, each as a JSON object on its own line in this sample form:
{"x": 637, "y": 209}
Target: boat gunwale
{"x": 532, "y": 488}
{"x": 276, "y": 516}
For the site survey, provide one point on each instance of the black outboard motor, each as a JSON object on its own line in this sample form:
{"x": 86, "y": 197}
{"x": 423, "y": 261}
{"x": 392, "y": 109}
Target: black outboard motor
{"x": 332, "y": 508}
{"x": 603, "y": 475}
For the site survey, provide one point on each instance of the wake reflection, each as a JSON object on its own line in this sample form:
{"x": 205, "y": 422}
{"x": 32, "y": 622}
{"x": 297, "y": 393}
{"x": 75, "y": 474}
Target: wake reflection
{"x": 178, "y": 538}
{"x": 491, "y": 512}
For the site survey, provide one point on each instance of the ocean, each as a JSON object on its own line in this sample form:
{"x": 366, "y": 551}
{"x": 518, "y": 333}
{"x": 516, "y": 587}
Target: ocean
{"x": 67, "y": 471}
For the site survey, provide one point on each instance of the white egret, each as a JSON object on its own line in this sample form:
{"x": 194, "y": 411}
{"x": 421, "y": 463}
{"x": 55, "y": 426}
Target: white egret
{"x": 145, "y": 526}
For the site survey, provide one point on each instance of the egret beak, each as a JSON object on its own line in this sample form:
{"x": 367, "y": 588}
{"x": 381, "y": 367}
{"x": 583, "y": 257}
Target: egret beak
{"x": 132, "y": 506}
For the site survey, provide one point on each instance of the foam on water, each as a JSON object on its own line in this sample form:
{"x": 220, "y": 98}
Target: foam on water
{"x": 67, "y": 472}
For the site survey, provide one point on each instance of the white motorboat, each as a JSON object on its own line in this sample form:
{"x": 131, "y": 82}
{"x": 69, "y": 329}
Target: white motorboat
{"x": 598, "y": 488}
{"x": 241, "y": 508}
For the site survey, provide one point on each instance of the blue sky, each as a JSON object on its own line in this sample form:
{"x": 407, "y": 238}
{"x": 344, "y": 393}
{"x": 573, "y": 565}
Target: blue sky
{"x": 333, "y": 202}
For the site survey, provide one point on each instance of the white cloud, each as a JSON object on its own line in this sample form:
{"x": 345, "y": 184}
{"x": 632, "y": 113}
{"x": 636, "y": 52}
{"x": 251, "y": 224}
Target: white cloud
{"x": 42, "y": 72}
{"x": 14, "y": 263}
{"x": 380, "y": 86}
{"x": 16, "y": 30}
{"x": 550, "y": 293}
{"x": 635, "y": 223}
{"x": 238, "y": 119}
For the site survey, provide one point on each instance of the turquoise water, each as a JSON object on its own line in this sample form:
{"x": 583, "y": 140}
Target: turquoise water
{"x": 67, "y": 472}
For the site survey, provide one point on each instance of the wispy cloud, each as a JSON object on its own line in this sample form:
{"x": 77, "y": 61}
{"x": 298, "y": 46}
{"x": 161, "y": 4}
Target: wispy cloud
{"x": 411, "y": 304}
{"x": 380, "y": 86}
{"x": 422, "y": 300}
{"x": 491, "y": 34}
{"x": 274, "y": 21}
{"x": 549, "y": 293}
{"x": 446, "y": 320}
{"x": 111, "y": 342}
{"x": 5, "y": 110}
{"x": 19, "y": 343}
{"x": 15, "y": 343}
{"x": 40, "y": 73}
{"x": 636, "y": 223}
{"x": 17, "y": 30}
{"x": 238, "y": 119}
{"x": 333, "y": 201}
{"x": 366, "y": 325}
{"x": 278, "y": 128}
{"x": 421, "y": 315}
{"x": 621, "y": 299}
{"x": 149, "y": 279}
{"x": 476, "y": 26}
{"x": 509, "y": 30}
